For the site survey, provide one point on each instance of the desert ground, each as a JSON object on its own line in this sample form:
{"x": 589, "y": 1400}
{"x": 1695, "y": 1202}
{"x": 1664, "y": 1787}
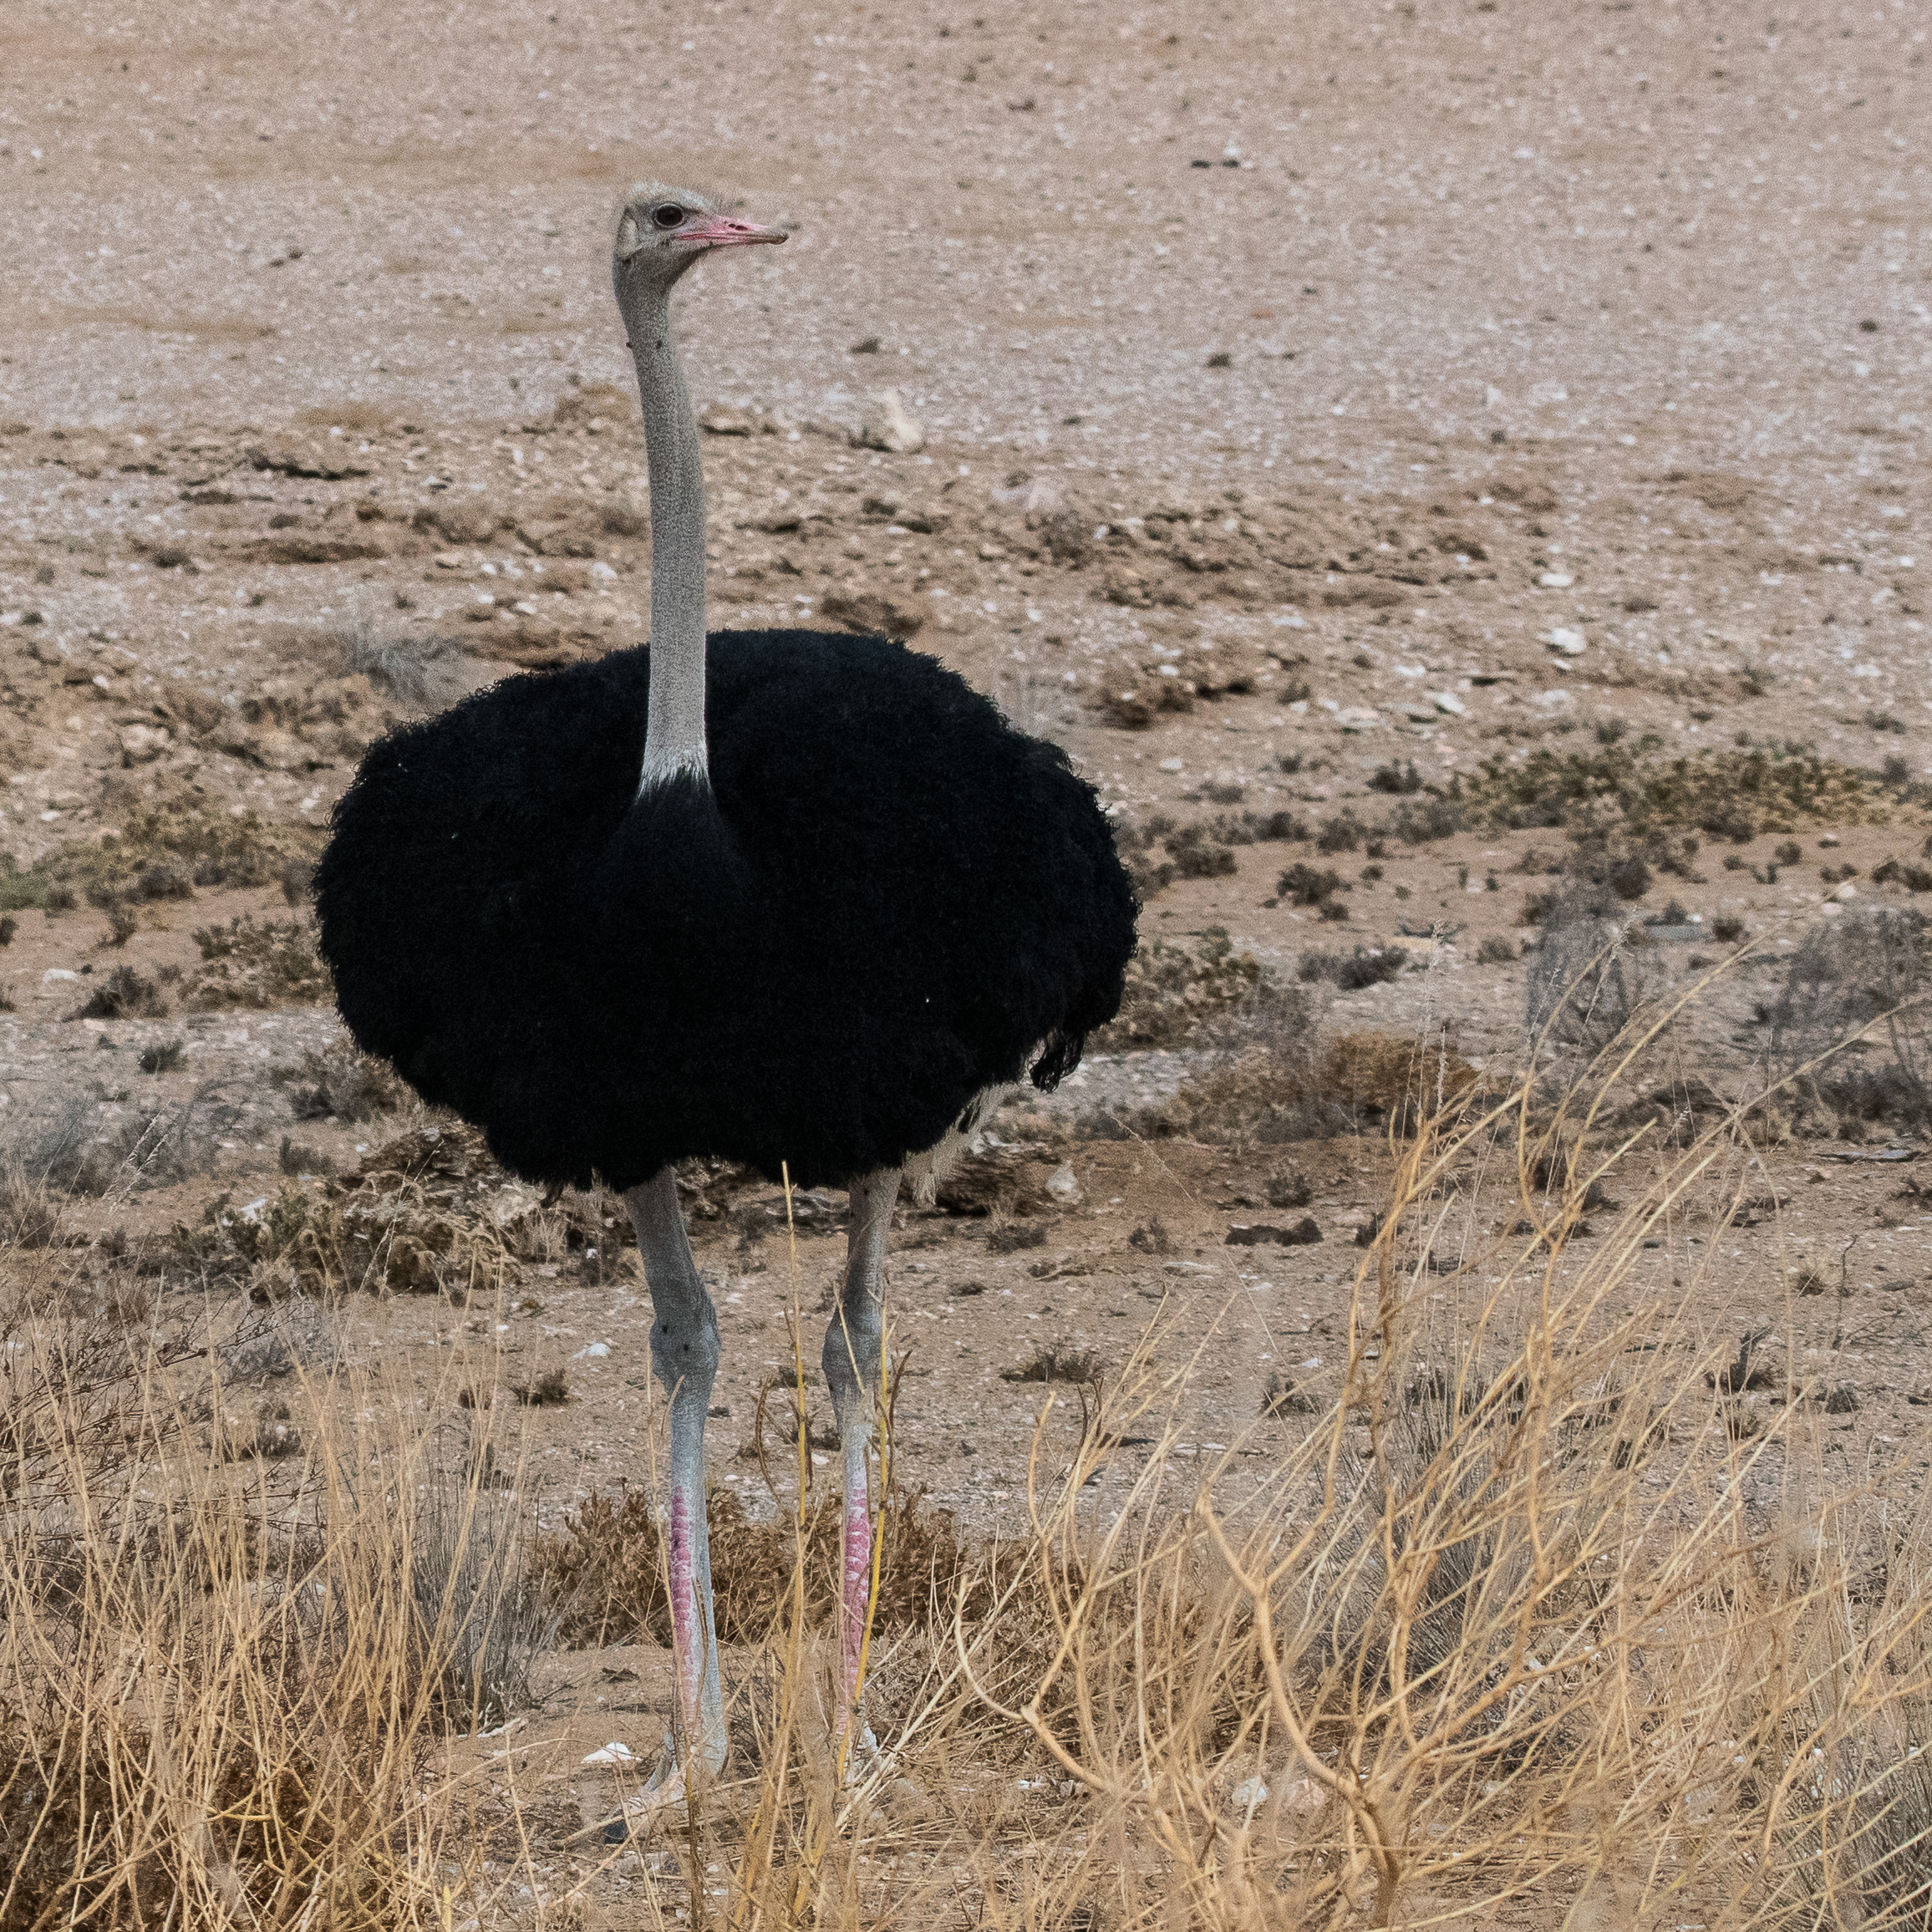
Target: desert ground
{"x": 1453, "y": 476}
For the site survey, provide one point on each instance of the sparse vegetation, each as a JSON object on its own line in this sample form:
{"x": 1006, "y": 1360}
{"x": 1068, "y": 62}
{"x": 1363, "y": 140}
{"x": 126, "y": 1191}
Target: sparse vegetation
{"x": 1307, "y": 885}
{"x": 402, "y": 666}
{"x": 341, "y": 1084}
{"x": 1174, "y": 987}
{"x": 1437, "y": 1582}
{"x": 1288, "y": 1186}
{"x": 124, "y": 995}
{"x": 1351, "y": 972}
{"x": 1053, "y": 1363}
{"x": 1863, "y": 979}
{"x": 162, "y": 851}
{"x": 256, "y": 964}
{"x": 548, "y": 1389}
{"x": 1727, "y": 794}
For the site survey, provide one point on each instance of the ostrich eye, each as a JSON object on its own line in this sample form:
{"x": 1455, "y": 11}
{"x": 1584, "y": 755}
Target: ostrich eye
{"x": 667, "y": 215}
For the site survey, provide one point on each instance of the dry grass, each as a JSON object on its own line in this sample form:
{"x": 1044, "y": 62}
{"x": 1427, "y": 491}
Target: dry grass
{"x": 229, "y": 1655}
{"x": 1521, "y": 1609}
{"x": 160, "y": 851}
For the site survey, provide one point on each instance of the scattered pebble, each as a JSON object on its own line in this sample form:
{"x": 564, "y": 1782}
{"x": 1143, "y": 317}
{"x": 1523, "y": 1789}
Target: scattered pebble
{"x": 1571, "y": 643}
{"x": 613, "y": 1753}
{"x": 1556, "y": 580}
{"x": 889, "y": 424}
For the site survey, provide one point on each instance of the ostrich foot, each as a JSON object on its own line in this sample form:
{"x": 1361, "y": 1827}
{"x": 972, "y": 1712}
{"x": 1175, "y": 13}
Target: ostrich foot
{"x": 666, "y": 1794}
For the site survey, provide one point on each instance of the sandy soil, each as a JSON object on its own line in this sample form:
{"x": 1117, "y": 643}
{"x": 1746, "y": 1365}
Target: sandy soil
{"x": 1305, "y": 389}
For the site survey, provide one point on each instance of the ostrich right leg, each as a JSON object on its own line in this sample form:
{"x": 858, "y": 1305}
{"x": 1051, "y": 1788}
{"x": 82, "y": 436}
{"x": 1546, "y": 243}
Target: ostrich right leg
{"x": 852, "y": 1373}
{"x": 684, "y": 1354}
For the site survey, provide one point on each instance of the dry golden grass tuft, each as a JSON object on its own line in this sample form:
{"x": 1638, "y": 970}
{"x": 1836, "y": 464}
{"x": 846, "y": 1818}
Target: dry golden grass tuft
{"x": 226, "y": 1659}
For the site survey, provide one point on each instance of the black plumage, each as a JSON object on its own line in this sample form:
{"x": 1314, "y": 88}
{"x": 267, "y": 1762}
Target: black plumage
{"x": 885, "y": 900}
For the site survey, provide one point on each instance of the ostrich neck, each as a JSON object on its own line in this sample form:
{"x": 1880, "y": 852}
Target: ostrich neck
{"x": 674, "y": 738}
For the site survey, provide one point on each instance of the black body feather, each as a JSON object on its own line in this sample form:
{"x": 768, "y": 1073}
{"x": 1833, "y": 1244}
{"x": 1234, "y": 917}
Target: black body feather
{"x": 884, "y": 901}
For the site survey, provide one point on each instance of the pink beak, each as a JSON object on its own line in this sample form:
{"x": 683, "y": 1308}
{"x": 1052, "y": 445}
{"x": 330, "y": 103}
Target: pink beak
{"x": 728, "y": 232}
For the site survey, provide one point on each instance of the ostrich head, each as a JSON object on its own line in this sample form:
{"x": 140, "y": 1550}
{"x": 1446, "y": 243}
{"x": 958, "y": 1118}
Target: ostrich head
{"x": 663, "y": 230}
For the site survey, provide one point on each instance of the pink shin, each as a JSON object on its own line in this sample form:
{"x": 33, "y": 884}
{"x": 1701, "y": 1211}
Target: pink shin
{"x": 687, "y": 1624}
{"x": 857, "y": 1551}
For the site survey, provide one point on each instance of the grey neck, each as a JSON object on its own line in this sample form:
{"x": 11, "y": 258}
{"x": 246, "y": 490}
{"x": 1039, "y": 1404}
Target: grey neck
{"x": 674, "y": 738}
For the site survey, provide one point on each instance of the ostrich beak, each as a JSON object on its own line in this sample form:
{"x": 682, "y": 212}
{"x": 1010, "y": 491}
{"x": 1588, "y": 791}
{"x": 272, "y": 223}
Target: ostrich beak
{"x": 728, "y": 232}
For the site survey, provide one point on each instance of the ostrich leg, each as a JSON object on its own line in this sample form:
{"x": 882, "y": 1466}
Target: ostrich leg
{"x": 852, "y": 1372}
{"x": 684, "y": 1354}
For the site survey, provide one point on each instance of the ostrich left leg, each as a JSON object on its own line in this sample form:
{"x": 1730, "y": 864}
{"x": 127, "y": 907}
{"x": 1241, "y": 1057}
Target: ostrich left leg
{"x": 852, "y": 1373}
{"x": 684, "y": 1354}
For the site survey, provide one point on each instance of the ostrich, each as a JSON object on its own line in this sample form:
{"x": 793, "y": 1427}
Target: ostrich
{"x": 800, "y": 899}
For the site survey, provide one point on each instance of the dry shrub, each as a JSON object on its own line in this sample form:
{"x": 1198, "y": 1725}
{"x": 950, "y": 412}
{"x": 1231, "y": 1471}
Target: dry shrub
{"x": 160, "y": 852}
{"x": 404, "y": 666}
{"x": 1396, "y": 1078}
{"x": 124, "y": 994}
{"x": 1351, "y": 972}
{"x": 1174, "y": 986}
{"x": 1275, "y": 1084}
{"x": 1848, "y": 1034}
{"x": 254, "y": 964}
{"x": 343, "y": 1084}
{"x": 427, "y": 1212}
{"x": 1588, "y": 984}
{"x": 59, "y": 1144}
{"x": 605, "y": 1570}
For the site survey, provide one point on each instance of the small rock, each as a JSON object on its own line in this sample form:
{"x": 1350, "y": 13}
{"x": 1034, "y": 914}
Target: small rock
{"x": 1448, "y": 704}
{"x": 613, "y": 1753}
{"x": 866, "y": 345}
{"x": 1571, "y": 643}
{"x": 1063, "y": 1186}
{"x": 1248, "y": 1794}
{"x": 1359, "y": 718}
{"x": 1556, "y": 580}
{"x": 1895, "y": 1287}
{"x": 1038, "y": 496}
{"x": 1303, "y": 1794}
{"x": 889, "y": 424}
{"x": 282, "y": 751}
{"x": 716, "y": 420}
{"x": 1304, "y": 1234}
{"x": 142, "y": 744}
{"x": 596, "y": 1352}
